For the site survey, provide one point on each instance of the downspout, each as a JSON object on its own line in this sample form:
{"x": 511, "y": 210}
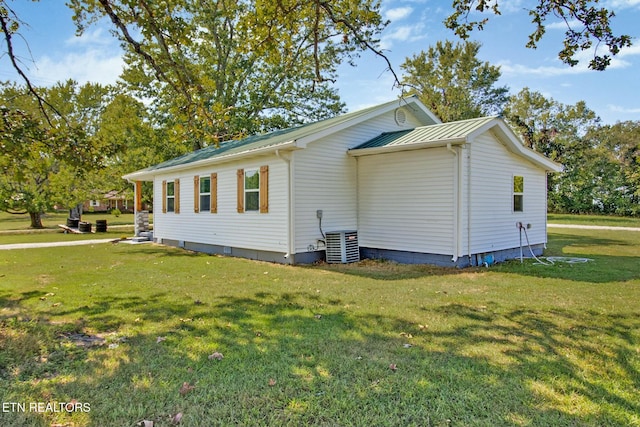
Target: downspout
{"x": 469, "y": 192}
{"x": 456, "y": 202}
{"x": 290, "y": 231}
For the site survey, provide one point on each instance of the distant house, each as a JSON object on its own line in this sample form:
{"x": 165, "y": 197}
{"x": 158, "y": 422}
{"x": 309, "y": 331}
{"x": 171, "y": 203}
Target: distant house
{"x": 112, "y": 200}
{"x": 390, "y": 181}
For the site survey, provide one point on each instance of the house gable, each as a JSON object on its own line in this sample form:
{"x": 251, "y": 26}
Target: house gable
{"x": 282, "y": 140}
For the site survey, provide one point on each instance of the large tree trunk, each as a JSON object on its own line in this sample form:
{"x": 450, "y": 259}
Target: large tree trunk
{"x": 36, "y": 220}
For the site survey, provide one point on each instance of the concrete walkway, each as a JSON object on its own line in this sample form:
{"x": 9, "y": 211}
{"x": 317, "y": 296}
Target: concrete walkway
{"x": 54, "y": 244}
{"x": 593, "y": 227}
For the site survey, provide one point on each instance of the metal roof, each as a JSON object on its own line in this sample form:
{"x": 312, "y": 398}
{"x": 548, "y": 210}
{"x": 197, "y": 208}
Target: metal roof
{"x": 276, "y": 138}
{"x": 425, "y": 134}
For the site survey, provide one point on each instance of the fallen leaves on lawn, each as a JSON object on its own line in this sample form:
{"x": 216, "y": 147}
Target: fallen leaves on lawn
{"x": 393, "y": 367}
{"x": 272, "y": 382}
{"x": 186, "y": 388}
{"x": 177, "y": 418}
{"x": 216, "y": 356}
{"x": 160, "y": 339}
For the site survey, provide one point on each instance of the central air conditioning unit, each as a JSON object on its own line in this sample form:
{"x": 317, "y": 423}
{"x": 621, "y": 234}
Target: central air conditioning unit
{"x": 342, "y": 247}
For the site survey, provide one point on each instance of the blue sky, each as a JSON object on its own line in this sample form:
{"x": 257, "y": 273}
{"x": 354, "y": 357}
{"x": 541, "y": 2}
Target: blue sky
{"x": 56, "y": 54}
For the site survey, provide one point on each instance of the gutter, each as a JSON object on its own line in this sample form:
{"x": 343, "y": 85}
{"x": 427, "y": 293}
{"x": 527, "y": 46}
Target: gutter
{"x": 290, "y": 225}
{"x": 456, "y": 201}
{"x": 150, "y": 173}
{"x": 406, "y": 147}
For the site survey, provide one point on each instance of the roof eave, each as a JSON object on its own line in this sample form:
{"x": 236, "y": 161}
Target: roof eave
{"x": 406, "y": 147}
{"x": 149, "y": 174}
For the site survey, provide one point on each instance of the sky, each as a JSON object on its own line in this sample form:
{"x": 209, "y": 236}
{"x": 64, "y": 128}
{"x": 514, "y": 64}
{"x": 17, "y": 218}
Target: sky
{"x": 50, "y": 52}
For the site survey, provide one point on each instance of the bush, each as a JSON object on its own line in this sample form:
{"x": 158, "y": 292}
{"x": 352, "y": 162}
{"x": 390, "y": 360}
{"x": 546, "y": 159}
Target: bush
{"x": 116, "y": 212}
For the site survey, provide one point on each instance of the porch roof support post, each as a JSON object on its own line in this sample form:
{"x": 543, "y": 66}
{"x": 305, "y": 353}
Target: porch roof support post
{"x": 137, "y": 207}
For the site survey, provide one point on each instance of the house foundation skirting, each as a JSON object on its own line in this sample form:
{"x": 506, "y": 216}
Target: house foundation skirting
{"x": 258, "y": 255}
{"x": 403, "y": 257}
{"x": 479, "y": 259}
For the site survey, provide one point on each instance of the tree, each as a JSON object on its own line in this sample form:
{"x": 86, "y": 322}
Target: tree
{"x": 617, "y": 152}
{"x": 35, "y": 154}
{"x": 453, "y": 82}
{"x": 586, "y": 24}
{"x": 558, "y": 131}
{"x": 222, "y": 68}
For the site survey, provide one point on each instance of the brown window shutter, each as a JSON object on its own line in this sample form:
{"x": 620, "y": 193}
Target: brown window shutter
{"x": 264, "y": 189}
{"x": 176, "y": 186}
{"x": 214, "y": 193}
{"x": 240, "y": 174}
{"x": 196, "y": 194}
{"x": 164, "y": 196}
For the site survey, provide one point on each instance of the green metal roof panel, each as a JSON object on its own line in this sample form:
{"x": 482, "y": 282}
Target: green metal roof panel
{"x": 432, "y": 133}
{"x": 231, "y": 147}
{"x": 268, "y": 139}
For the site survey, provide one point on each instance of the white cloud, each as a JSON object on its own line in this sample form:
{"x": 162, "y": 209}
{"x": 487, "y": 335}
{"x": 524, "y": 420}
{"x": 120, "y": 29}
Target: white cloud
{"x": 87, "y": 66}
{"x": 404, "y": 33}
{"x": 96, "y": 37}
{"x": 508, "y": 68}
{"x": 562, "y": 25}
{"x": 398, "y": 13}
{"x": 624, "y": 110}
{"x": 622, "y": 4}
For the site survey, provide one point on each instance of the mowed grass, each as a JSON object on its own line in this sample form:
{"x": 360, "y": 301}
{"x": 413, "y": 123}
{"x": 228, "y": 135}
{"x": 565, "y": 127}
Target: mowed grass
{"x": 607, "y": 220}
{"x": 368, "y": 344}
{"x": 50, "y": 220}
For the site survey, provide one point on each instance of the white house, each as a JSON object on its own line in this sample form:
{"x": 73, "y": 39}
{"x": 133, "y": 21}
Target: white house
{"x": 390, "y": 181}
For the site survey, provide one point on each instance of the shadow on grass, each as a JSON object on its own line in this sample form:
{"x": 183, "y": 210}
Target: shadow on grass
{"x": 390, "y": 270}
{"x": 295, "y": 358}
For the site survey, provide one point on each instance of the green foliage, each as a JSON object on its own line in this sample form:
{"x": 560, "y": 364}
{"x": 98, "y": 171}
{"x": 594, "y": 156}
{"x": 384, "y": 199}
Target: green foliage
{"x": 219, "y": 69}
{"x": 49, "y": 162}
{"x": 600, "y": 162}
{"x": 453, "y": 82}
{"x": 587, "y": 26}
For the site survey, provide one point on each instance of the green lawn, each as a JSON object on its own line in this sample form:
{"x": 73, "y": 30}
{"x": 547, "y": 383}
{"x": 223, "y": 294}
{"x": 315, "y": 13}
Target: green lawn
{"x": 50, "y": 220}
{"x": 614, "y": 221}
{"x": 369, "y": 344}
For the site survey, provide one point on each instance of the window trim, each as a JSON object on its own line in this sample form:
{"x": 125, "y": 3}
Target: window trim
{"x": 175, "y": 196}
{"x": 170, "y": 207}
{"x": 247, "y": 191}
{"x": 204, "y": 207}
{"x": 517, "y": 200}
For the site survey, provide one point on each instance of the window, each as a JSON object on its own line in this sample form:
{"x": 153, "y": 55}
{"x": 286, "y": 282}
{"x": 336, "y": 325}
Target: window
{"x": 251, "y": 190}
{"x": 94, "y": 203}
{"x": 205, "y": 193}
{"x": 518, "y": 193}
{"x": 171, "y": 197}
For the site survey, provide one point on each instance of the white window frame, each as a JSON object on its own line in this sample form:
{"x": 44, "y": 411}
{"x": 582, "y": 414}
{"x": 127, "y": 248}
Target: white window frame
{"x": 518, "y": 193}
{"x": 204, "y": 207}
{"x": 171, "y": 207}
{"x": 249, "y": 173}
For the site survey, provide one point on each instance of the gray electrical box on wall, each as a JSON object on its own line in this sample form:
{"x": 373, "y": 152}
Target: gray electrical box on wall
{"x": 319, "y": 213}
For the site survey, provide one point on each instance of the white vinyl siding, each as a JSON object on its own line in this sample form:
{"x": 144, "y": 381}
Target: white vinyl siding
{"x": 407, "y": 201}
{"x": 250, "y": 230}
{"x": 325, "y": 178}
{"x": 493, "y": 220}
